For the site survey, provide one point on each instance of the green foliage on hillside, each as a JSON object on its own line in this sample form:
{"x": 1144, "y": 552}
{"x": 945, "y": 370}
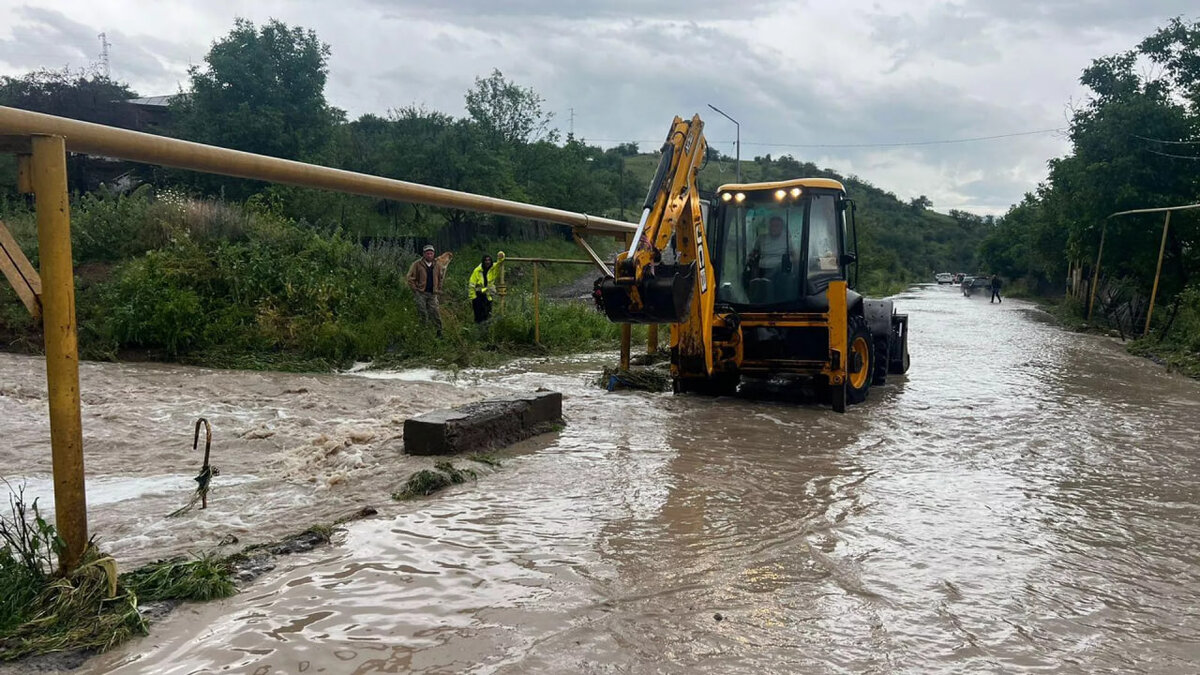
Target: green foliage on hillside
{"x": 202, "y": 281}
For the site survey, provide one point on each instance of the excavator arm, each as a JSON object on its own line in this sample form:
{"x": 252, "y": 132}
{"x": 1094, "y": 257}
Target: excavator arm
{"x": 646, "y": 289}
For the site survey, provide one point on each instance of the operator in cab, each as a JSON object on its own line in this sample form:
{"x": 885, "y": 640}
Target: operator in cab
{"x": 772, "y": 252}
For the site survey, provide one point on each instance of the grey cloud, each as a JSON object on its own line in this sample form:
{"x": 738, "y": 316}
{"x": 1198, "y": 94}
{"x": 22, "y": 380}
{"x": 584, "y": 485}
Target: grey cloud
{"x": 51, "y": 41}
{"x": 951, "y": 34}
{"x": 472, "y": 10}
{"x": 49, "y": 37}
{"x": 973, "y": 31}
{"x": 1082, "y": 15}
{"x": 623, "y": 90}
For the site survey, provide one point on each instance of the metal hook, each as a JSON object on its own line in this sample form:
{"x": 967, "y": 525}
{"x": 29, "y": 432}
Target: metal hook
{"x": 207, "y": 438}
{"x": 206, "y": 472}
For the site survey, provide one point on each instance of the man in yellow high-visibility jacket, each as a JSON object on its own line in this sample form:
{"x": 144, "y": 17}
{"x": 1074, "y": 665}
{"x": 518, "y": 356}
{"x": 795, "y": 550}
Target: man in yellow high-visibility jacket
{"x": 481, "y": 285}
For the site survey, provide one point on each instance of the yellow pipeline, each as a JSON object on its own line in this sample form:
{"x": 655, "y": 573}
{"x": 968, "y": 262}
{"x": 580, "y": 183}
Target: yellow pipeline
{"x": 97, "y": 139}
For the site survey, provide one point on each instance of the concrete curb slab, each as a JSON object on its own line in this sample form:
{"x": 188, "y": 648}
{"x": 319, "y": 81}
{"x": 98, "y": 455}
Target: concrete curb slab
{"x": 482, "y": 426}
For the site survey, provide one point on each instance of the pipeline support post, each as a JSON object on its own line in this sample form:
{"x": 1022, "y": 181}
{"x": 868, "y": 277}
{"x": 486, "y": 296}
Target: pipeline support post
{"x": 626, "y": 329}
{"x": 537, "y": 323}
{"x": 1096, "y": 272}
{"x": 48, "y": 178}
{"x": 1157, "y": 273}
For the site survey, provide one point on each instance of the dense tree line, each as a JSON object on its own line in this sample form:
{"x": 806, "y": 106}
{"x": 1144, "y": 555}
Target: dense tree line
{"x": 1135, "y": 145}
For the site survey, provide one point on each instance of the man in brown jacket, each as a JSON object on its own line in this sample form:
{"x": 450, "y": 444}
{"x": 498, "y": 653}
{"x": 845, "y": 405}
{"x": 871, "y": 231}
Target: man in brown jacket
{"x": 425, "y": 277}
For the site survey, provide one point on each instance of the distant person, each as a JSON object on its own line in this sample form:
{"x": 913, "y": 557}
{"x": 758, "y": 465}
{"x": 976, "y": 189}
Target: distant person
{"x": 425, "y": 277}
{"x": 996, "y": 289}
{"x": 481, "y": 285}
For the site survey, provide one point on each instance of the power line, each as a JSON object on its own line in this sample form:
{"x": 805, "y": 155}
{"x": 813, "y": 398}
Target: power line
{"x": 860, "y": 145}
{"x": 908, "y": 143}
{"x": 1167, "y": 154}
{"x": 1159, "y": 140}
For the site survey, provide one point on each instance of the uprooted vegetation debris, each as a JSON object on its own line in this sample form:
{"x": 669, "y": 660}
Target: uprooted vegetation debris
{"x": 206, "y": 577}
{"x": 43, "y": 610}
{"x": 426, "y": 482}
{"x": 643, "y": 378}
{"x": 485, "y": 458}
{"x": 45, "y": 614}
{"x": 646, "y": 372}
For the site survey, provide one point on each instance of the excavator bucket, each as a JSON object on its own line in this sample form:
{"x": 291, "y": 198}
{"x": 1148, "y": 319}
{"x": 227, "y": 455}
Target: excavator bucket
{"x": 666, "y": 296}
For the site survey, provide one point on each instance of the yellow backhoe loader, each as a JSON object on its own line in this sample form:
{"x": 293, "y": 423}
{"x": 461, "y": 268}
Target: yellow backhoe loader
{"x": 757, "y": 284}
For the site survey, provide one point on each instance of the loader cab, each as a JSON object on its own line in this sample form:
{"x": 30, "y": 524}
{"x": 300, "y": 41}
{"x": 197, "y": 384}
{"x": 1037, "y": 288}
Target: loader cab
{"x": 776, "y": 246}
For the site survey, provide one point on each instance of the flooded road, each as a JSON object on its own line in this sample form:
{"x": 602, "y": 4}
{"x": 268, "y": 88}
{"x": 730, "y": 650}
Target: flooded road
{"x": 1025, "y": 500}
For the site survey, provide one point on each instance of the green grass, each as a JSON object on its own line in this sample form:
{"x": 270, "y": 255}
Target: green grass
{"x": 1175, "y": 343}
{"x": 203, "y": 578}
{"x": 42, "y": 610}
{"x": 86, "y": 610}
{"x": 485, "y": 458}
{"x": 323, "y": 531}
{"x": 93, "y": 609}
{"x": 1176, "y": 357}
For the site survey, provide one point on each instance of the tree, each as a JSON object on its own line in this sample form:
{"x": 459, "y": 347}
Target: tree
{"x": 77, "y": 95}
{"x": 1176, "y": 48}
{"x": 262, "y": 91}
{"x": 511, "y": 114}
{"x": 629, "y": 149}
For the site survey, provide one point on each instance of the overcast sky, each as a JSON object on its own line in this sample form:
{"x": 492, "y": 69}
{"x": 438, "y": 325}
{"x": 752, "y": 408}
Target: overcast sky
{"x": 796, "y": 74}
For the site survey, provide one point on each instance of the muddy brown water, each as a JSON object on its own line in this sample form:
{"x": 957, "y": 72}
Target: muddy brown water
{"x": 1025, "y": 500}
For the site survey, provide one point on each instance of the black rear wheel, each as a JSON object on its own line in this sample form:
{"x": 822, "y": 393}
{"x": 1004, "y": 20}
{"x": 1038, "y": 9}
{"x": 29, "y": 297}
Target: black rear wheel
{"x": 898, "y": 357}
{"x": 882, "y": 359}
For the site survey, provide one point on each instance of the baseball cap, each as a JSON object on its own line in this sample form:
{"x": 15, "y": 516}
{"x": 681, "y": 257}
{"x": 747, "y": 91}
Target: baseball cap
{"x": 428, "y": 247}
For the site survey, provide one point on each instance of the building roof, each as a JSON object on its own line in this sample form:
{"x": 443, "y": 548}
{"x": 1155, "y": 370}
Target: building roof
{"x": 153, "y": 101}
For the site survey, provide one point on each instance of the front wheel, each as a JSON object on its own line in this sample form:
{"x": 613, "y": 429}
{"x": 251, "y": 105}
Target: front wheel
{"x": 860, "y": 365}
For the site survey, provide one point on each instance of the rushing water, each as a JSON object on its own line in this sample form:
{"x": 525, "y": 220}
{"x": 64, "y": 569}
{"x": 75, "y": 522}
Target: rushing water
{"x": 1024, "y": 500}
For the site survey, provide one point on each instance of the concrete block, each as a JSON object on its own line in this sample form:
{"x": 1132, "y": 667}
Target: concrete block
{"x": 544, "y": 407}
{"x": 481, "y": 426}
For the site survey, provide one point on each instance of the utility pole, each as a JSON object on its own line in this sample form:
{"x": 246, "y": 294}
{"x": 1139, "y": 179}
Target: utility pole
{"x": 104, "y": 44}
{"x": 738, "y": 170}
{"x": 621, "y": 187}
{"x": 572, "y": 132}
